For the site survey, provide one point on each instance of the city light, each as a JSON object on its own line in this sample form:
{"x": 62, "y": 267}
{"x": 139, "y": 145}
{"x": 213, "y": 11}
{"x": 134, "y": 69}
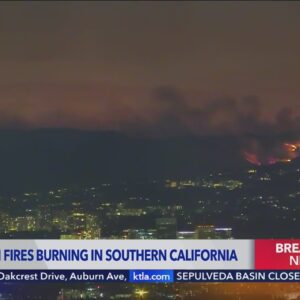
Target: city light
{"x": 141, "y": 293}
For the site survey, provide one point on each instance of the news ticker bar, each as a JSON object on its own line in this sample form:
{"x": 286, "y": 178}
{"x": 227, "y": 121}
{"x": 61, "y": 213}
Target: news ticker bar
{"x": 147, "y": 276}
{"x": 150, "y": 255}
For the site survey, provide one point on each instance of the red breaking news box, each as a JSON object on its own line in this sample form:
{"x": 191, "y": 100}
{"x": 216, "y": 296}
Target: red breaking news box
{"x": 277, "y": 254}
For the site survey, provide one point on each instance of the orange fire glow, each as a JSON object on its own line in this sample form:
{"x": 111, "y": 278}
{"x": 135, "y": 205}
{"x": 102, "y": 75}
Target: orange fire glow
{"x": 251, "y": 158}
{"x": 283, "y": 153}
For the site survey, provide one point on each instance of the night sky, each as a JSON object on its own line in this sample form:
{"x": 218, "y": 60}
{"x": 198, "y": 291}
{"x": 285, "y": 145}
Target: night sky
{"x": 151, "y": 68}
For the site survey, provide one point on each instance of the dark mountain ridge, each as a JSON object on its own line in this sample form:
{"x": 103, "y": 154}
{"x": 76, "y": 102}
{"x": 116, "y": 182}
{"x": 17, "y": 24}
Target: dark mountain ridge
{"x": 43, "y": 158}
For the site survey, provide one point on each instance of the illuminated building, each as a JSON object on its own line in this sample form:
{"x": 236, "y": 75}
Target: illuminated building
{"x": 61, "y": 221}
{"x": 223, "y": 233}
{"x": 205, "y": 232}
{"x": 129, "y": 212}
{"x": 186, "y": 235}
{"x": 27, "y": 223}
{"x": 4, "y": 222}
{"x": 139, "y": 234}
{"x": 78, "y": 221}
{"x": 84, "y": 225}
{"x": 66, "y": 236}
{"x": 212, "y": 232}
{"x": 44, "y": 218}
{"x": 166, "y": 228}
{"x": 171, "y": 184}
{"x": 92, "y": 230}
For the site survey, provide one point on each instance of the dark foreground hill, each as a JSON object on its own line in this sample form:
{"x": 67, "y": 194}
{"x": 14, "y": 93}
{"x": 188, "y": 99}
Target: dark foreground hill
{"x": 39, "y": 159}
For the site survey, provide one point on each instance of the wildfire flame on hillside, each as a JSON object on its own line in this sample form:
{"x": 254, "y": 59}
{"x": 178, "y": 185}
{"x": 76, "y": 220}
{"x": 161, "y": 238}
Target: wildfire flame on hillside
{"x": 259, "y": 154}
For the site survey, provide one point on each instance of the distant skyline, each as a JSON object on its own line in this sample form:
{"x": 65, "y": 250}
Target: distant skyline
{"x": 151, "y": 67}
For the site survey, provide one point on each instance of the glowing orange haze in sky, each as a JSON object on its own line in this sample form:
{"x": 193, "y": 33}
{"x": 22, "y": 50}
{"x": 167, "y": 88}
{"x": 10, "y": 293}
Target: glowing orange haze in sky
{"x": 94, "y": 65}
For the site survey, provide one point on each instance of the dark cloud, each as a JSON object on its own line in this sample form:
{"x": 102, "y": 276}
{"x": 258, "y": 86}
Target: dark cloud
{"x": 261, "y": 141}
{"x": 178, "y": 115}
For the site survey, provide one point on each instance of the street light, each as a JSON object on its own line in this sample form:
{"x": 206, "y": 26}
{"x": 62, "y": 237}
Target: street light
{"x": 141, "y": 293}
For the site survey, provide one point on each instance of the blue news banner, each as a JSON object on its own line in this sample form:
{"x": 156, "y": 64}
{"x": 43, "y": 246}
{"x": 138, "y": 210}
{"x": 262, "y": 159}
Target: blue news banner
{"x": 148, "y": 276}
